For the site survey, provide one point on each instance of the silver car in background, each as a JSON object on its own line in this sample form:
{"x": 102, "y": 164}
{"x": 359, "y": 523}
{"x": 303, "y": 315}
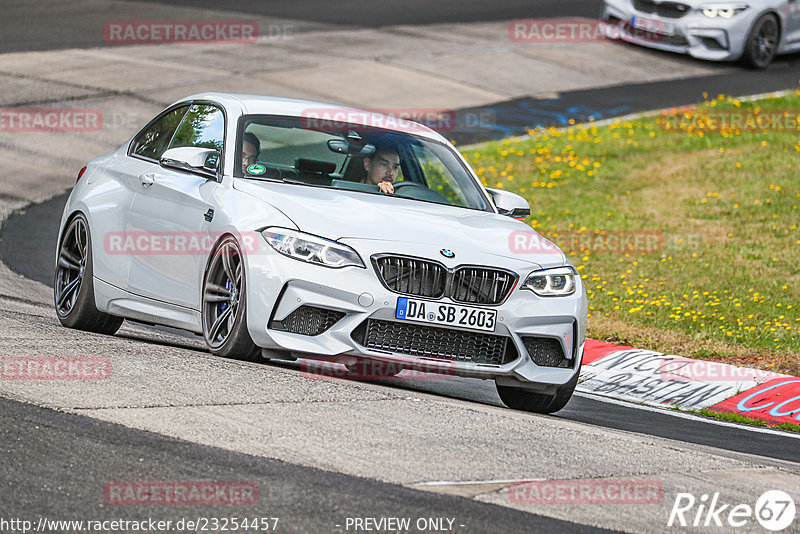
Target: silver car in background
{"x": 750, "y": 31}
{"x": 250, "y": 220}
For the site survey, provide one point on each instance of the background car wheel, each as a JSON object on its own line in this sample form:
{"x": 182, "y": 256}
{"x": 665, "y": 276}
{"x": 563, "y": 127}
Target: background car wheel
{"x": 762, "y": 44}
{"x": 73, "y": 287}
{"x": 529, "y": 401}
{"x": 224, "y": 314}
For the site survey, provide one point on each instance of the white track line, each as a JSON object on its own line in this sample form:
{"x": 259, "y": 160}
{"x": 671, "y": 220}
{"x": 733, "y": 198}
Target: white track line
{"x": 687, "y": 415}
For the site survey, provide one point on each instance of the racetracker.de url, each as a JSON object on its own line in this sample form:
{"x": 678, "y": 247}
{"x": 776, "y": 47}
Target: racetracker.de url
{"x": 196, "y": 524}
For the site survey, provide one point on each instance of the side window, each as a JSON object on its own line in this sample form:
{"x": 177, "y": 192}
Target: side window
{"x": 203, "y": 126}
{"x": 439, "y": 177}
{"x": 152, "y": 142}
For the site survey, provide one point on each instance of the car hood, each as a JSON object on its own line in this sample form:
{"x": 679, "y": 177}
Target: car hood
{"x": 382, "y": 223}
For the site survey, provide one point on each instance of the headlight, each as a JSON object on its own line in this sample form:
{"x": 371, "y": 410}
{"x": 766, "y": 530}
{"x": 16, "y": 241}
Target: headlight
{"x": 551, "y": 282}
{"x": 310, "y": 248}
{"x": 724, "y": 11}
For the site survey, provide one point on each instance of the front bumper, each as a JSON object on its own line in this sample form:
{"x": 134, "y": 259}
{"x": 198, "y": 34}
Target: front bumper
{"x": 714, "y": 39}
{"x": 277, "y": 287}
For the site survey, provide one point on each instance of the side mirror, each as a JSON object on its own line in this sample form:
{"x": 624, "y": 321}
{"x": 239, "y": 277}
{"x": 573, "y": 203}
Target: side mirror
{"x": 510, "y": 204}
{"x": 202, "y": 161}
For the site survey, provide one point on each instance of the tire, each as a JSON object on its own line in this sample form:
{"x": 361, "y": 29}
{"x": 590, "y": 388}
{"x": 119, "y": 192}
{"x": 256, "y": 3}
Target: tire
{"x": 529, "y": 401}
{"x": 73, "y": 286}
{"x": 224, "y": 308}
{"x": 762, "y": 43}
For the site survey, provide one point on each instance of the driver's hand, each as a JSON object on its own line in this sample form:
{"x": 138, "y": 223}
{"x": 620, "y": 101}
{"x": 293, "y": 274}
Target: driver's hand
{"x": 386, "y": 187}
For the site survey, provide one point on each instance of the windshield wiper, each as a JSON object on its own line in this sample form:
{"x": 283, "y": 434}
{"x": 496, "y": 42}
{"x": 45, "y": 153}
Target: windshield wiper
{"x": 294, "y": 181}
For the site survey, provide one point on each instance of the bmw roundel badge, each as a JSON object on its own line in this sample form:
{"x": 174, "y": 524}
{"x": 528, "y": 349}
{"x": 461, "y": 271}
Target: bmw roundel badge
{"x": 447, "y": 253}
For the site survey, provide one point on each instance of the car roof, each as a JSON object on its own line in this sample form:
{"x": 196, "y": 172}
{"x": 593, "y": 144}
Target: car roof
{"x": 273, "y": 105}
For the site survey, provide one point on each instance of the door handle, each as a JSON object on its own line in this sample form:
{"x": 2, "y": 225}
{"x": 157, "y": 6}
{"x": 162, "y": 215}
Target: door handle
{"x": 147, "y": 179}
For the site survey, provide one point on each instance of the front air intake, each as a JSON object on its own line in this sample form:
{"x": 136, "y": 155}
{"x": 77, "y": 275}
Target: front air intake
{"x": 547, "y": 352}
{"x": 308, "y": 321}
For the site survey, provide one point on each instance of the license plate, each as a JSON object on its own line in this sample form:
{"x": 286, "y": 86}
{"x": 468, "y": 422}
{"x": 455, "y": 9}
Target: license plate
{"x": 653, "y": 26}
{"x": 423, "y": 311}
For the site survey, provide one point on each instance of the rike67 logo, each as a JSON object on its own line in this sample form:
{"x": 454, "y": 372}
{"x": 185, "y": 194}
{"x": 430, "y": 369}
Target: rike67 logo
{"x": 774, "y": 510}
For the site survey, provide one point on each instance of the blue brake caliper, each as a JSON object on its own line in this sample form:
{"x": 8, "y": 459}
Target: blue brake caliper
{"x": 224, "y": 305}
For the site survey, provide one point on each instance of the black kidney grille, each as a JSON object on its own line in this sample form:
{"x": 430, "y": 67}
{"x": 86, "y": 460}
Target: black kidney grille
{"x": 546, "y": 352}
{"x": 669, "y": 10}
{"x": 308, "y": 320}
{"x": 412, "y": 276}
{"x": 478, "y": 285}
{"x": 424, "y": 278}
{"x": 432, "y": 342}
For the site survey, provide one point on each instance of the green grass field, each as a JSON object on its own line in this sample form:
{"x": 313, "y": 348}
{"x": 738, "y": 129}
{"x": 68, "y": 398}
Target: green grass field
{"x": 736, "y": 418}
{"x": 683, "y": 225}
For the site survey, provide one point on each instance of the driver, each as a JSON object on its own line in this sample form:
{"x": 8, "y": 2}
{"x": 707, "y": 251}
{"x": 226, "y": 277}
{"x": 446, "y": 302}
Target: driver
{"x": 251, "y": 147}
{"x": 382, "y": 168}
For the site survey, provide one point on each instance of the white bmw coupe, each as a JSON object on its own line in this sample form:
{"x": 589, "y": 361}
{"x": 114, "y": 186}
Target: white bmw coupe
{"x": 286, "y": 229}
{"x": 750, "y": 31}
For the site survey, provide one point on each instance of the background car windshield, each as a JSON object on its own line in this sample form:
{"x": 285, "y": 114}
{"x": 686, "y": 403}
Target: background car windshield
{"x": 289, "y": 149}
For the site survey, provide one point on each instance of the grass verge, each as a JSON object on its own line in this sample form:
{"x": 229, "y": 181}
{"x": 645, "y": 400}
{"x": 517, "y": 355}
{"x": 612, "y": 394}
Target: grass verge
{"x": 736, "y": 418}
{"x": 683, "y": 225}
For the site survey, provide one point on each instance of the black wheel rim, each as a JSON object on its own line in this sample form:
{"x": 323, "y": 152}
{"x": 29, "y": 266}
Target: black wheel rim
{"x": 71, "y": 266}
{"x": 222, "y": 294}
{"x": 766, "y": 42}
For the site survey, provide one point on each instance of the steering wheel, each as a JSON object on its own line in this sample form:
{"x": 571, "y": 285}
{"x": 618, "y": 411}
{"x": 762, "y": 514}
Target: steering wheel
{"x": 418, "y": 192}
{"x": 404, "y": 185}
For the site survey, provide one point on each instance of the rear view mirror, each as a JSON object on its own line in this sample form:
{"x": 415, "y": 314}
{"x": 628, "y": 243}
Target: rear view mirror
{"x": 342, "y": 146}
{"x": 198, "y": 160}
{"x": 510, "y": 204}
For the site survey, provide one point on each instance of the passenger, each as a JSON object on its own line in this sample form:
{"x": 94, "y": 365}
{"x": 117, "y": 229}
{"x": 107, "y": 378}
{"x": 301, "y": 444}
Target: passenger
{"x": 382, "y": 168}
{"x": 251, "y": 147}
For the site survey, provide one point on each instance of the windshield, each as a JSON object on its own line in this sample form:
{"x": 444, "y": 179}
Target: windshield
{"x": 355, "y": 158}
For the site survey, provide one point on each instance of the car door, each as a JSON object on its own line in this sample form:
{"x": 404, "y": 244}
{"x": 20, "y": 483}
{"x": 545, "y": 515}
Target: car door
{"x": 121, "y": 181}
{"x": 170, "y": 217}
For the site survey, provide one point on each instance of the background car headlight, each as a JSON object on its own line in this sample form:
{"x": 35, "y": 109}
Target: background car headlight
{"x": 310, "y": 248}
{"x": 724, "y": 11}
{"x": 551, "y": 282}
